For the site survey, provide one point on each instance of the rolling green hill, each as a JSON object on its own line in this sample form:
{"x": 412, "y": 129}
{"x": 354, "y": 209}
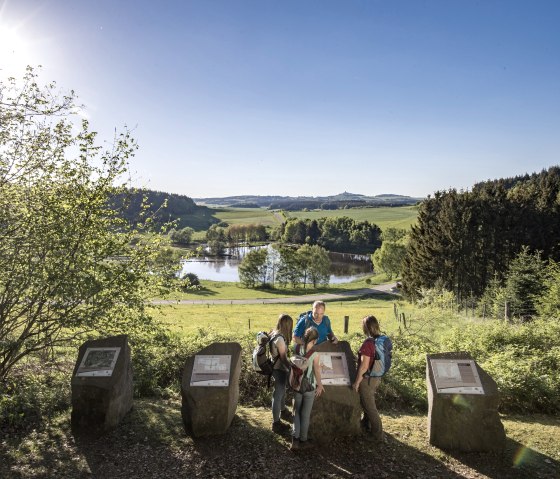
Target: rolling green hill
{"x": 384, "y": 217}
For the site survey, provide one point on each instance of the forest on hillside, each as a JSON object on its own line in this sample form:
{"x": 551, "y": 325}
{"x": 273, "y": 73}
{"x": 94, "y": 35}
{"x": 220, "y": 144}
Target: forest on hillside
{"x": 466, "y": 242}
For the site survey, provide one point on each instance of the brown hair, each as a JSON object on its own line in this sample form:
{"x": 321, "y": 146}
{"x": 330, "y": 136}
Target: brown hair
{"x": 284, "y": 327}
{"x": 309, "y": 335}
{"x": 370, "y": 325}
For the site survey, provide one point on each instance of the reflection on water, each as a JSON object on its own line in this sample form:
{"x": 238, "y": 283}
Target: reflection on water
{"x": 344, "y": 267}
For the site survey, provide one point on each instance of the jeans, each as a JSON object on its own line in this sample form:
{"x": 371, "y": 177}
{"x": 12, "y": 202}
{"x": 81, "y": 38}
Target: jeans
{"x": 302, "y": 413}
{"x": 279, "y": 394}
{"x": 367, "y": 390}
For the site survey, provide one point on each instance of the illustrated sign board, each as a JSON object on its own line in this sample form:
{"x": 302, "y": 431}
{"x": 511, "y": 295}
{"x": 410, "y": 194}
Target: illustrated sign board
{"x": 334, "y": 369}
{"x": 456, "y": 376}
{"x": 98, "y": 362}
{"x": 211, "y": 370}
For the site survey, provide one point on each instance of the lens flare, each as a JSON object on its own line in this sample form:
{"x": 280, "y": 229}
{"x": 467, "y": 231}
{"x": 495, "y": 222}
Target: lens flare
{"x": 461, "y": 401}
{"x": 522, "y": 456}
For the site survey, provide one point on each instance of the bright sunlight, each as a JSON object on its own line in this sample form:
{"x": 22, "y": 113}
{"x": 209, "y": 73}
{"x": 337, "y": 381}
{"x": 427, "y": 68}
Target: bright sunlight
{"x": 14, "y": 51}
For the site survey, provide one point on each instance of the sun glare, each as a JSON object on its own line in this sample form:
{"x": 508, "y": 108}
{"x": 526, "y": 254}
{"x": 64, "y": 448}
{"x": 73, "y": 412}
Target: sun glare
{"x": 14, "y": 52}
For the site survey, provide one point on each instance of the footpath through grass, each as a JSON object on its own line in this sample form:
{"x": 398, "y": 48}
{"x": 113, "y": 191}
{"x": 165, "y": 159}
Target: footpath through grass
{"x": 151, "y": 442}
{"x": 212, "y": 290}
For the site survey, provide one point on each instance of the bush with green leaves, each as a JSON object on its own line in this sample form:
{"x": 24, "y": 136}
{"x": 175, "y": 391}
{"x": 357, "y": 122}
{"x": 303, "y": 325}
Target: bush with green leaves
{"x": 524, "y": 360}
{"x": 67, "y": 264}
{"x": 34, "y": 391}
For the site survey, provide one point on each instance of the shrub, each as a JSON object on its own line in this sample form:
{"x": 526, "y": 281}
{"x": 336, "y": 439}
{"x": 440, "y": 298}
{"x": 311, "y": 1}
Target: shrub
{"x": 34, "y": 392}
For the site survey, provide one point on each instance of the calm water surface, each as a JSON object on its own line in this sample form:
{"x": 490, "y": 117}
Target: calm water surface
{"x": 344, "y": 267}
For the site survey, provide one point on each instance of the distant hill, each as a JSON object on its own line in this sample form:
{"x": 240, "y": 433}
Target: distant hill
{"x": 291, "y": 203}
{"x": 179, "y": 208}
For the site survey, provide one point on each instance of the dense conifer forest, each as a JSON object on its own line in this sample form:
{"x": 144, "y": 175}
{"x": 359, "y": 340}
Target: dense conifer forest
{"x": 464, "y": 240}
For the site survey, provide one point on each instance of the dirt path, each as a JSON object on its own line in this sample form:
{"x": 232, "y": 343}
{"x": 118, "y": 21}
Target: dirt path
{"x": 306, "y": 298}
{"x": 151, "y": 443}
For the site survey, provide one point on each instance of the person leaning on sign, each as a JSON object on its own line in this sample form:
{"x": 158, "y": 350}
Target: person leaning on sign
{"x": 303, "y": 401}
{"x": 366, "y": 385}
{"x": 317, "y": 319}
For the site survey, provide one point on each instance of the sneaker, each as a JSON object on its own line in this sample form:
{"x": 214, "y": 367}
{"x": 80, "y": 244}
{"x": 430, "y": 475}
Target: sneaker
{"x": 280, "y": 428}
{"x": 287, "y": 415}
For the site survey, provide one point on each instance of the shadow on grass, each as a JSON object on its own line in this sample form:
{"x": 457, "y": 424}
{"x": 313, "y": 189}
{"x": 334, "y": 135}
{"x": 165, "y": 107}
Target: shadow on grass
{"x": 517, "y": 460}
{"x": 203, "y": 292}
{"x": 151, "y": 442}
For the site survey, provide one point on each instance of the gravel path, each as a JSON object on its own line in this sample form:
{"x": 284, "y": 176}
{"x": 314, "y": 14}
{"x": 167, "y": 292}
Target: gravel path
{"x": 307, "y": 298}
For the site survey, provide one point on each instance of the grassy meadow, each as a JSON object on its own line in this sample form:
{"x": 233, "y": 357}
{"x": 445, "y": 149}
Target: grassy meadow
{"x": 218, "y": 290}
{"x": 244, "y": 318}
{"x": 384, "y": 217}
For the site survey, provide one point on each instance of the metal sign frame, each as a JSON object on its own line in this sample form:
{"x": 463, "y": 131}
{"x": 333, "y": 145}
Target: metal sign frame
{"x": 98, "y": 362}
{"x": 456, "y": 376}
{"x": 334, "y": 369}
{"x": 211, "y": 370}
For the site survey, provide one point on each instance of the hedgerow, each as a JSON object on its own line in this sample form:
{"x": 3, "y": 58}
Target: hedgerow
{"x": 523, "y": 359}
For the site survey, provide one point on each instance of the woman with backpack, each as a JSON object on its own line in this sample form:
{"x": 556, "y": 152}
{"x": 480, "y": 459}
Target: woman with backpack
{"x": 366, "y": 385}
{"x": 279, "y": 343}
{"x": 303, "y": 402}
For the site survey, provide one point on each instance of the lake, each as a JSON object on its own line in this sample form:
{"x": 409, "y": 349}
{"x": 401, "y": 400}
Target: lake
{"x": 345, "y": 267}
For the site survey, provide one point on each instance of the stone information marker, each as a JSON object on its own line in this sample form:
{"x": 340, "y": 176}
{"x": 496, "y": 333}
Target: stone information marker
{"x": 337, "y": 412}
{"x": 101, "y": 385}
{"x": 210, "y": 389}
{"x": 211, "y": 370}
{"x": 463, "y": 405}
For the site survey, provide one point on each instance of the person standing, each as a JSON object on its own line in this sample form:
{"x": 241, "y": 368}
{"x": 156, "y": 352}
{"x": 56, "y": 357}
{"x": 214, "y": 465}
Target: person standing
{"x": 303, "y": 402}
{"x": 366, "y": 385}
{"x": 281, "y": 339}
{"x": 317, "y": 319}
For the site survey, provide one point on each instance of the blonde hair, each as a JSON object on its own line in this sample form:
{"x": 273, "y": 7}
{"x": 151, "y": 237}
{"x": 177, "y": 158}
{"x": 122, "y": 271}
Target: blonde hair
{"x": 284, "y": 327}
{"x": 370, "y": 325}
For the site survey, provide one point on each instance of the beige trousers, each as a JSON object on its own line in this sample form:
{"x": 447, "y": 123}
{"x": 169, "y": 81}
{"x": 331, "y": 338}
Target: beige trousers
{"x": 367, "y": 389}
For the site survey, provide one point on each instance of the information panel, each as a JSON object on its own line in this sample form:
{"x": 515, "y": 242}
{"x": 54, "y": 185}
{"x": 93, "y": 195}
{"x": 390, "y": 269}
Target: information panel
{"x": 211, "y": 370}
{"x": 98, "y": 362}
{"x": 334, "y": 369}
{"x": 453, "y": 376}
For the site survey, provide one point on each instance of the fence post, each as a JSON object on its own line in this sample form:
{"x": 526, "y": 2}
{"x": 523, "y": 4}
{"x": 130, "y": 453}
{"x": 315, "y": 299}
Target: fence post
{"x": 249, "y": 324}
{"x": 346, "y": 321}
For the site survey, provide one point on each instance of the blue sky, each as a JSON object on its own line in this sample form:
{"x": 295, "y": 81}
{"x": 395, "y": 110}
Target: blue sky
{"x": 301, "y": 97}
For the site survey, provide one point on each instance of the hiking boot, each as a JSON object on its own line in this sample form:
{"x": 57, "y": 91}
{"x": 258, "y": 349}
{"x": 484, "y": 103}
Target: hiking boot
{"x": 366, "y": 426}
{"x": 287, "y": 415}
{"x": 305, "y": 444}
{"x": 279, "y": 427}
{"x": 295, "y": 444}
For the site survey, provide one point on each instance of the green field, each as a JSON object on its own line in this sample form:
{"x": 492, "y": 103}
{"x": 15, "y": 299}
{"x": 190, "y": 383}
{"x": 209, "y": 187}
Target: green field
{"x": 212, "y": 290}
{"x": 384, "y": 217}
{"x": 233, "y": 216}
{"x": 243, "y": 318}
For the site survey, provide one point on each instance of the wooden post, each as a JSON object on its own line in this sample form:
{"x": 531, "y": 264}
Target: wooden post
{"x": 506, "y": 311}
{"x": 346, "y": 321}
{"x": 249, "y": 324}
